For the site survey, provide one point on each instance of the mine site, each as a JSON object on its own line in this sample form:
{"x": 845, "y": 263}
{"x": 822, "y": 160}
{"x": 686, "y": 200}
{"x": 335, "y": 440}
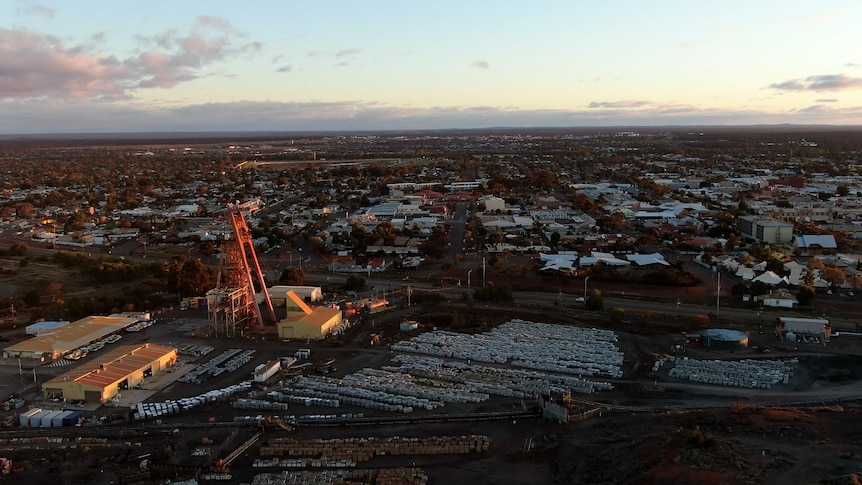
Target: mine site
{"x": 521, "y": 401}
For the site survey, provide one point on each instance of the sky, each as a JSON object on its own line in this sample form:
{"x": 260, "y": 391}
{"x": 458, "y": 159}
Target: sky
{"x": 296, "y": 65}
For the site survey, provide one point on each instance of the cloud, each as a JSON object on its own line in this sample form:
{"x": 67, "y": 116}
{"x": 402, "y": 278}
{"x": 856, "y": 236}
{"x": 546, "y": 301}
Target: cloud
{"x": 23, "y": 116}
{"x": 212, "y": 39}
{"x": 342, "y": 57}
{"x": 823, "y": 112}
{"x": 826, "y": 100}
{"x": 825, "y": 82}
{"x": 347, "y": 53}
{"x": 619, "y": 104}
{"x": 37, "y": 65}
{"x": 33, "y": 9}
{"x": 286, "y": 68}
{"x": 480, "y": 64}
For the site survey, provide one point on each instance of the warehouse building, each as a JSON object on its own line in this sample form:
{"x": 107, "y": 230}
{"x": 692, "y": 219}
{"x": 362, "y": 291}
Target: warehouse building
{"x": 278, "y": 294}
{"x": 101, "y": 380}
{"x": 306, "y": 323}
{"x": 52, "y": 345}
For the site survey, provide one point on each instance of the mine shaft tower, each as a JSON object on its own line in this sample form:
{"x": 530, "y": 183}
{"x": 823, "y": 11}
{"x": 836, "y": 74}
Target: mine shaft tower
{"x": 232, "y": 305}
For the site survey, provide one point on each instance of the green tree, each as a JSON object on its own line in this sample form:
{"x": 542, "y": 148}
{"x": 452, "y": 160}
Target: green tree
{"x": 595, "y": 301}
{"x": 189, "y": 277}
{"x": 805, "y": 295}
{"x": 292, "y": 276}
{"x": 842, "y": 190}
{"x": 494, "y": 293}
{"x": 354, "y": 282}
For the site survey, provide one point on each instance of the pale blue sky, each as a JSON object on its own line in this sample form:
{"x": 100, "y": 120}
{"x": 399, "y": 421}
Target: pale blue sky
{"x": 109, "y": 66}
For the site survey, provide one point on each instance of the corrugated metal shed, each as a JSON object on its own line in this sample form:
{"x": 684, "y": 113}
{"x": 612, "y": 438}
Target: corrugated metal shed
{"x": 114, "y": 366}
{"x": 67, "y": 338}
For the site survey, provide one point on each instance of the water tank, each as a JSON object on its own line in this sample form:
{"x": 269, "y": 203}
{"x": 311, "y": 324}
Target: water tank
{"x": 724, "y": 339}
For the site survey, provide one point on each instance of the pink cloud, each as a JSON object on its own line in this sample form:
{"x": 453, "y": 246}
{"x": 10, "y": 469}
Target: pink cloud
{"x": 36, "y": 65}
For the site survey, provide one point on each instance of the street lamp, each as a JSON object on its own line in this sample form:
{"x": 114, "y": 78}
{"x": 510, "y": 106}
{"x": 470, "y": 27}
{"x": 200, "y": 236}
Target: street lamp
{"x": 468, "y": 281}
{"x": 585, "y": 287}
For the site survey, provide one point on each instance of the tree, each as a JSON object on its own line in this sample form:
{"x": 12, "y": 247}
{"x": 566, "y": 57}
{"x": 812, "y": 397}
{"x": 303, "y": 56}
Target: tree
{"x": 23, "y": 209}
{"x": 206, "y": 248}
{"x": 842, "y": 190}
{"x": 386, "y": 231}
{"x": 805, "y": 295}
{"x": 18, "y": 249}
{"x": 436, "y": 244}
{"x": 740, "y": 289}
{"x": 354, "y": 282}
{"x": 594, "y": 301}
{"x": 189, "y": 276}
{"x": 495, "y": 293}
{"x": 292, "y": 276}
{"x": 834, "y": 276}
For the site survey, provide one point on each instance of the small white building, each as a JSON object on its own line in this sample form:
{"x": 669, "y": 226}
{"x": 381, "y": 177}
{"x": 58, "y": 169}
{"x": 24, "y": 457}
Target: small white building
{"x": 778, "y": 299}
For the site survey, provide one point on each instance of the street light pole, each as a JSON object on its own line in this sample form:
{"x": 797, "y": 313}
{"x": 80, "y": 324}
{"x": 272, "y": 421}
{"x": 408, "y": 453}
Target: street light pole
{"x": 468, "y": 281}
{"x": 585, "y": 287}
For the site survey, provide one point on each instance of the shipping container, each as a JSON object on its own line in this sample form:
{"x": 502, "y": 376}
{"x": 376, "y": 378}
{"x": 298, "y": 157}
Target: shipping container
{"x": 264, "y": 371}
{"x": 24, "y": 418}
{"x": 47, "y": 419}
{"x": 57, "y": 421}
{"x": 36, "y": 419}
{"x": 72, "y": 418}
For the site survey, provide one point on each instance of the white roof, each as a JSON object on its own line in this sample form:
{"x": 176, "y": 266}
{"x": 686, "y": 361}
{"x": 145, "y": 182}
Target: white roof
{"x": 599, "y": 257}
{"x": 745, "y": 273}
{"x": 647, "y": 259}
{"x": 770, "y": 278}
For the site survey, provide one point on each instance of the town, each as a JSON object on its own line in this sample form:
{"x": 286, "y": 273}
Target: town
{"x": 226, "y": 307}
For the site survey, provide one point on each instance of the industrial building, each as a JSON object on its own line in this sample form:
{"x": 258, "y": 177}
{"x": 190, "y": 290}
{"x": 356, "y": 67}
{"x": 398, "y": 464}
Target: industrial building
{"x": 51, "y": 345}
{"x": 306, "y": 323}
{"x": 793, "y": 329}
{"x": 103, "y": 379}
{"x": 278, "y": 294}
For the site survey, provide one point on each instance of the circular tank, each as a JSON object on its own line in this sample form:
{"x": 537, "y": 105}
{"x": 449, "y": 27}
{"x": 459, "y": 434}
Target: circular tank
{"x": 724, "y": 339}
